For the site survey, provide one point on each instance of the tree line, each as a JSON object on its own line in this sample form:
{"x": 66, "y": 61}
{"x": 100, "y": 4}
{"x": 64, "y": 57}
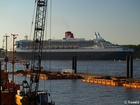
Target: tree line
{"x": 136, "y": 48}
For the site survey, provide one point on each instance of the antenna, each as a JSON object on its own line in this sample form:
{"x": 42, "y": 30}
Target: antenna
{"x": 96, "y": 35}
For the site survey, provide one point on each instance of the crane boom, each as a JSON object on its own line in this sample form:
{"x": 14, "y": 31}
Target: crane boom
{"x": 30, "y": 93}
{"x": 39, "y": 29}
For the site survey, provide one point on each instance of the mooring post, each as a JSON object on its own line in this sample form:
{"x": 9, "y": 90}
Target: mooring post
{"x": 74, "y": 64}
{"x": 131, "y": 66}
{"x": 127, "y": 66}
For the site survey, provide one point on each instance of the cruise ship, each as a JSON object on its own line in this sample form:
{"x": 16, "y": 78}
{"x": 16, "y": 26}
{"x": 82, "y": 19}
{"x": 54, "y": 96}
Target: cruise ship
{"x": 64, "y": 49}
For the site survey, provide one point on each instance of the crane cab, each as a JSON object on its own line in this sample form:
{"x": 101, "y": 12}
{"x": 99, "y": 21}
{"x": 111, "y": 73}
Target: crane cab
{"x": 42, "y": 98}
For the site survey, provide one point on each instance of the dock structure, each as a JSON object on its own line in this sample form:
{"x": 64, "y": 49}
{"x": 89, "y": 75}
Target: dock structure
{"x": 111, "y": 80}
{"x": 87, "y": 78}
{"x": 126, "y": 81}
{"x": 50, "y": 75}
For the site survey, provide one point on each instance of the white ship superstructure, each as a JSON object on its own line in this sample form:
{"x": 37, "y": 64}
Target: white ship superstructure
{"x": 93, "y": 49}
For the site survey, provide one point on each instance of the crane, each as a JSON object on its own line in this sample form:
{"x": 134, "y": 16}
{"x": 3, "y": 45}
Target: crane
{"x": 31, "y": 90}
{"x": 38, "y": 43}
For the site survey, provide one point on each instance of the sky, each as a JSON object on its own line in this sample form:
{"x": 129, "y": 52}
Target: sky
{"x": 117, "y": 21}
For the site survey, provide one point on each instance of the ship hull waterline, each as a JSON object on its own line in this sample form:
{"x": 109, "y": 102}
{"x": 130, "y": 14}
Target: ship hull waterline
{"x": 117, "y": 55}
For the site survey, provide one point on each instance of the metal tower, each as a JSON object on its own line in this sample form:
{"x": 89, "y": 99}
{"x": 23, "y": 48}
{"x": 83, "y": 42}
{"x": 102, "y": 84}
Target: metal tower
{"x": 31, "y": 94}
{"x": 39, "y": 29}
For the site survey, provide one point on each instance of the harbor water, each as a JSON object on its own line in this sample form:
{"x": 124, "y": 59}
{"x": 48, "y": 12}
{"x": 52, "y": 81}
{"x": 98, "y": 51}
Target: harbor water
{"x": 75, "y": 92}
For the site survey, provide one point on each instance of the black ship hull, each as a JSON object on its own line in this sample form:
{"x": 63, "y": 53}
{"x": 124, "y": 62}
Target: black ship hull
{"x": 116, "y": 55}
